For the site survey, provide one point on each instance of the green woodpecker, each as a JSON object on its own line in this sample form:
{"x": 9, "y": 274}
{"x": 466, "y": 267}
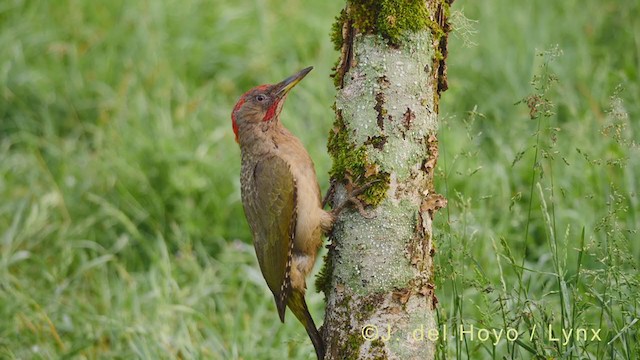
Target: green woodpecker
{"x": 281, "y": 199}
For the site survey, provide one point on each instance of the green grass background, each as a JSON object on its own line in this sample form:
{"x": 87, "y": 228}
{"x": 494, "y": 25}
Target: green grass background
{"x": 122, "y": 233}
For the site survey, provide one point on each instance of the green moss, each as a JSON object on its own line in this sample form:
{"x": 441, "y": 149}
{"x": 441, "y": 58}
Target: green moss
{"x": 439, "y": 56}
{"x": 378, "y": 191}
{"x": 351, "y": 162}
{"x": 368, "y": 306}
{"x": 377, "y": 343}
{"x": 337, "y": 75}
{"x": 354, "y": 343}
{"x": 336, "y": 30}
{"x": 367, "y": 309}
{"x": 399, "y": 16}
{"x": 391, "y": 19}
{"x": 323, "y": 280}
{"x": 377, "y": 346}
{"x": 352, "y": 346}
{"x": 347, "y": 159}
{"x": 349, "y": 348}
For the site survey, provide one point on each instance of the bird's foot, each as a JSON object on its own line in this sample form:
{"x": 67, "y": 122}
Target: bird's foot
{"x": 352, "y": 197}
{"x": 329, "y": 195}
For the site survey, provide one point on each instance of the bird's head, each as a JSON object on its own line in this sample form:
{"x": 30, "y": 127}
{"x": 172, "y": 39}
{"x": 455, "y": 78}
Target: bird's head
{"x": 263, "y": 103}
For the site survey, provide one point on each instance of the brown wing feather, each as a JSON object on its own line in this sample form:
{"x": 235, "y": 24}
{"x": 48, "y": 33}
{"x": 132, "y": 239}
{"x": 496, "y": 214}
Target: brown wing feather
{"x": 271, "y": 211}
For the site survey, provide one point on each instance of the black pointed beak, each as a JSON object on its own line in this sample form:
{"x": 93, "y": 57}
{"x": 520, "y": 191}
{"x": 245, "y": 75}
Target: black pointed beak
{"x": 287, "y": 84}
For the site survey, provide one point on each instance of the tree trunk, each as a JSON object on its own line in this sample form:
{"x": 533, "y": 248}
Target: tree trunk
{"x": 378, "y": 274}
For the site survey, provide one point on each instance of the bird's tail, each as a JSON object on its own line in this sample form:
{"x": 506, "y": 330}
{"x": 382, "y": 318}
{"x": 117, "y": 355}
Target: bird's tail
{"x": 298, "y": 306}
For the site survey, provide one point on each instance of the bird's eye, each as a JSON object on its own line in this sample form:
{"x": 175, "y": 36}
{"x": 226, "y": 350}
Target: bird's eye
{"x": 261, "y": 98}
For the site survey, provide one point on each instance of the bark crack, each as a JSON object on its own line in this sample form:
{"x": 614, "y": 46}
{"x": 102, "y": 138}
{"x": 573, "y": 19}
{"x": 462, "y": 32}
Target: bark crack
{"x": 380, "y": 110}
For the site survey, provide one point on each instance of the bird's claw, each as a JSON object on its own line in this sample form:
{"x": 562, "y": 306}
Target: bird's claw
{"x": 352, "y": 198}
{"x": 329, "y": 194}
{"x": 358, "y": 204}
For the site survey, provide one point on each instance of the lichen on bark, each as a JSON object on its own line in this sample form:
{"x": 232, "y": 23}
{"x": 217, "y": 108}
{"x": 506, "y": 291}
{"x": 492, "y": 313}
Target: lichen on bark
{"x": 389, "y": 85}
{"x": 386, "y": 267}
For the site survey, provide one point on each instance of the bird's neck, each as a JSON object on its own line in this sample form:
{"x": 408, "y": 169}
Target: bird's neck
{"x": 262, "y": 137}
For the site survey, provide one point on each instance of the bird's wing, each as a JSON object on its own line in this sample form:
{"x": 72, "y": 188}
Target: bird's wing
{"x": 274, "y": 215}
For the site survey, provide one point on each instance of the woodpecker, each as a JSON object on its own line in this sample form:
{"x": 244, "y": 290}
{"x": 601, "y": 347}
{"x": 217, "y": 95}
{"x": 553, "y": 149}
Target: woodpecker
{"x": 281, "y": 198}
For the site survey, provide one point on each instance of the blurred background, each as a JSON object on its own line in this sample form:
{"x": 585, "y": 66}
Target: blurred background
{"x": 122, "y": 233}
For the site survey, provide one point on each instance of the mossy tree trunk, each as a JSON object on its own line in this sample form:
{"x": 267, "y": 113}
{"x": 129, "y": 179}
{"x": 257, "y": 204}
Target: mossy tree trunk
{"x": 378, "y": 274}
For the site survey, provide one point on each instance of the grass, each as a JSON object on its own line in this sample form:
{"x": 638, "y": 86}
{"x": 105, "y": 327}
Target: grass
{"x": 121, "y": 228}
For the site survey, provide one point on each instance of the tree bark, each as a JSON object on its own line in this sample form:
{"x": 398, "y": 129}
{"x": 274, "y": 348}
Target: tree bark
{"x": 378, "y": 274}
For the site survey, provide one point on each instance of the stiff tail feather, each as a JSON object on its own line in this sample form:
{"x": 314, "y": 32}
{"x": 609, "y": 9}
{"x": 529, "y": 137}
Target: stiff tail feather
{"x": 298, "y": 306}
